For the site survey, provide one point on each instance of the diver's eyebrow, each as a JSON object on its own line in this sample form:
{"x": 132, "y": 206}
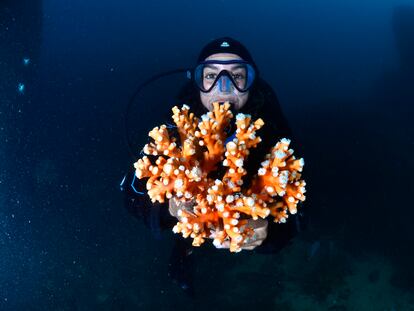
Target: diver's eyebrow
{"x": 237, "y": 66}
{"x": 211, "y": 66}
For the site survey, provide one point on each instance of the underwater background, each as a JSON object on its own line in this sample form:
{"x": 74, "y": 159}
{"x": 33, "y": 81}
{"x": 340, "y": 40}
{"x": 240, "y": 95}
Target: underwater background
{"x": 344, "y": 75}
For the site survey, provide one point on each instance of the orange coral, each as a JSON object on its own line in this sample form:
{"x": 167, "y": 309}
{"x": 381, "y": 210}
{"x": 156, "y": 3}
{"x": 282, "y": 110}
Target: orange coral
{"x": 221, "y": 207}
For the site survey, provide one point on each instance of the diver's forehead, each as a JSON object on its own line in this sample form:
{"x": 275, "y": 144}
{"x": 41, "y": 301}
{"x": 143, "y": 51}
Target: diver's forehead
{"x": 224, "y": 56}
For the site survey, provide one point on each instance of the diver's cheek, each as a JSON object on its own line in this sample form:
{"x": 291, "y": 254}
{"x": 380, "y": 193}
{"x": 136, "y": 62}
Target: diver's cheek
{"x": 205, "y": 100}
{"x": 242, "y": 100}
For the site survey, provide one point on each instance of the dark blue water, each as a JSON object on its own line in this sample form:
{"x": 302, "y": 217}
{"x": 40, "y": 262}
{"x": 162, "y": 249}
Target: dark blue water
{"x": 344, "y": 75}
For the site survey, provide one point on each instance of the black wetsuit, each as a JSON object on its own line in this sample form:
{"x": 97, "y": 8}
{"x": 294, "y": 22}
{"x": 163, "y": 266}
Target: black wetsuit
{"x": 156, "y": 215}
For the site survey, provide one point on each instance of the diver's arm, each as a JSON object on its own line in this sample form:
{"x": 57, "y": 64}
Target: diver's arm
{"x": 136, "y": 200}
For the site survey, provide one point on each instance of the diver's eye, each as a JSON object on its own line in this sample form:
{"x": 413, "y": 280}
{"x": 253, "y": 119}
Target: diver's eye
{"x": 238, "y": 76}
{"x": 210, "y": 76}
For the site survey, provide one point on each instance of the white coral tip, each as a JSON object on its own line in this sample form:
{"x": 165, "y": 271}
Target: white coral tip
{"x": 240, "y": 116}
{"x": 239, "y": 162}
{"x": 229, "y": 198}
{"x": 250, "y": 202}
{"x": 217, "y": 243}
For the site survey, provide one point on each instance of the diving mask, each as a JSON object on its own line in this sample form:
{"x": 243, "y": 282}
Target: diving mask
{"x": 208, "y": 75}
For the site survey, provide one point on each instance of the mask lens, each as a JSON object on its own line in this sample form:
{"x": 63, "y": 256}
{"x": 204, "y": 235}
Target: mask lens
{"x": 209, "y": 77}
{"x": 239, "y": 76}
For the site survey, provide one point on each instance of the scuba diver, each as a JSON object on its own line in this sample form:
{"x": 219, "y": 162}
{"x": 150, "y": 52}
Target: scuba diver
{"x": 225, "y": 72}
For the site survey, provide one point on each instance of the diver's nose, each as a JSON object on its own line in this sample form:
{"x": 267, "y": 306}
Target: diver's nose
{"x": 225, "y": 85}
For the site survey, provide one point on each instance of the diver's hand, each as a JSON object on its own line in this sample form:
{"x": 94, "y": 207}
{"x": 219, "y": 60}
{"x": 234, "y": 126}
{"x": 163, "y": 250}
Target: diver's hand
{"x": 260, "y": 233}
{"x": 175, "y": 205}
{"x": 259, "y": 226}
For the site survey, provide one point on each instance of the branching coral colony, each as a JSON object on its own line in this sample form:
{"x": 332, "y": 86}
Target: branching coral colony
{"x": 221, "y": 208}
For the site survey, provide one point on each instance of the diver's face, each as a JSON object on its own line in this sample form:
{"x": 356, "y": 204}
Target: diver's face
{"x": 235, "y": 97}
